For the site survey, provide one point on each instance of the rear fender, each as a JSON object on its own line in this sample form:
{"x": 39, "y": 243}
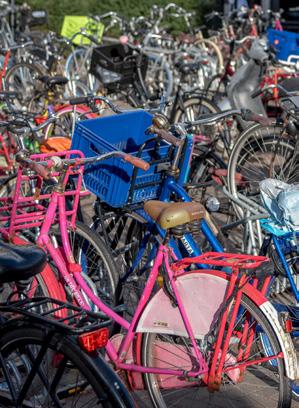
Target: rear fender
{"x": 202, "y": 293}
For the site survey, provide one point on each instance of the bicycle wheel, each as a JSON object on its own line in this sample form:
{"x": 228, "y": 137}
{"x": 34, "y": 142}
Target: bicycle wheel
{"x": 194, "y": 107}
{"x": 263, "y": 385}
{"x": 159, "y": 76}
{"x": 63, "y": 126}
{"x": 66, "y": 376}
{"x": 21, "y": 78}
{"x": 213, "y": 52}
{"x": 77, "y": 69}
{"x": 259, "y": 153}
{"x": 124, "y": 231}
{"x": 99, "y": 268}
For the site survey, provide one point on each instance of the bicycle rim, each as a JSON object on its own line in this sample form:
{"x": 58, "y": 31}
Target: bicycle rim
{"x": 263, "y": 385}
{"x": 261, "y": 153}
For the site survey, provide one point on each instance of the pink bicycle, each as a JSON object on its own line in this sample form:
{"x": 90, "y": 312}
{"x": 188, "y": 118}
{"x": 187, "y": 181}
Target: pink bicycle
{"x": 200, "y": 332}
{"x": 44, "y": 208}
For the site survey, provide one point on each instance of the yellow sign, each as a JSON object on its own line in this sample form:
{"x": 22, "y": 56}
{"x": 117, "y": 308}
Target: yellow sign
{"x": 73, "y": 24}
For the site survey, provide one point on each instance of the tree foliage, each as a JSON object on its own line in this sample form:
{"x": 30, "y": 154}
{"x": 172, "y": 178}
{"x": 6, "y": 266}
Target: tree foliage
{"x": 127, "y": 8}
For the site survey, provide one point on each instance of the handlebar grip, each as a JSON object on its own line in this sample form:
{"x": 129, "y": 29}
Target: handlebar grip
{"x": 168, "y": 137}
{"x": 137, "y": 162}
{"x": 165, "y": 135}
{"x": 250, "y": 116}
{"x": 79, "y": 100}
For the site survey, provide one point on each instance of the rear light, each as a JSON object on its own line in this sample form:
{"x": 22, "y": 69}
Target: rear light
{"x": 286, "y": 322}
{"x": 94, "y": 340}
{"x": 288, "y": 326}
{"x": 276, "y": 42}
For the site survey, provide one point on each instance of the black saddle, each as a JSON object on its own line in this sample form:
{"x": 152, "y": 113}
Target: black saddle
{"x": 50, "y": 81}
{"x": 20, "y": 262}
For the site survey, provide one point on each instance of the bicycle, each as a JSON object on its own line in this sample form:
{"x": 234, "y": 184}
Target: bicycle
{"x": 200, "y": 352}
{"x": 50, "y": 350}
{"x": 44, "y": 215}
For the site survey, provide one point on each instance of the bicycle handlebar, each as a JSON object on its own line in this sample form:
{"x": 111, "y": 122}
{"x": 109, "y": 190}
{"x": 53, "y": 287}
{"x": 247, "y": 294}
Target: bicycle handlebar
{"x": 16, "y": 47}
{"x": 246, "y": 115}
{"x": 165, "y": 135}
{"x": 25, "y": 126}
{"x": 89, "y": 98}
{"x": 42, "y": 168}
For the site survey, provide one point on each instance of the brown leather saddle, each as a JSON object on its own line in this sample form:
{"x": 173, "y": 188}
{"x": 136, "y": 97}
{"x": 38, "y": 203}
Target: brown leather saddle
{"x": 171, "y": 215}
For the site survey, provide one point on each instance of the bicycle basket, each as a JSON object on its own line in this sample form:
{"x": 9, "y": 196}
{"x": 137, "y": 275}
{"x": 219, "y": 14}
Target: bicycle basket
{"x": 113, "y": 180}
{"x": 27, "y": 207}
{"x": 116, "y": 65}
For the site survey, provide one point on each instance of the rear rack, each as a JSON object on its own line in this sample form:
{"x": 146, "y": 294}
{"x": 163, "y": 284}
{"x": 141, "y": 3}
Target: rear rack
{"x": 61, "y": 315}
{"x": 233, "y": 261}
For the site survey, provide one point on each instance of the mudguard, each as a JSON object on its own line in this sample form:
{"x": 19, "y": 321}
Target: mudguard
{"x": 202, "y": 293}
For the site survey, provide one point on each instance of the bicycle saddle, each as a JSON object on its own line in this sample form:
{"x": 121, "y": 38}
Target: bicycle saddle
{"x": 20, "y": 262}
{"x": 52, "y": 81}
{"x": 170, "y": 215}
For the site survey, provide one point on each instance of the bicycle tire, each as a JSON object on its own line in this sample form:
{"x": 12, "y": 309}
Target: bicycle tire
{"x": 210, "y": 44}
{"x": 196, "y": 101}
{"x": 261, "y": 140}
{"x": 65, "y": 130}
{"x": 28, "y": 86}
{"x": 73, "y": 71}
{"x": 97, "y": 262}
{"x": 96, "y": 377}
{"x": 221, "y": 397}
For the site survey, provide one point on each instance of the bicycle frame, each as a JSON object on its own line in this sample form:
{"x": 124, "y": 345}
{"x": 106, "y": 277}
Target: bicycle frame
{"x": 77, "y": 285}
{"x": 171, "y": 185}
{"x": 71, "y": 273}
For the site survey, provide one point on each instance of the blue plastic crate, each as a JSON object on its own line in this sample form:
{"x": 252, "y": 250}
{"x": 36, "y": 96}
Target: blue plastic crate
{"x": 286, "y": 43}
{"x": 111, "y": 180}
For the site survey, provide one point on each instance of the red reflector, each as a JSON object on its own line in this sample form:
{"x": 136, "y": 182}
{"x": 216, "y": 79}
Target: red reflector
{"x": 94, "y": 340}
{"x": 288, "y": 326}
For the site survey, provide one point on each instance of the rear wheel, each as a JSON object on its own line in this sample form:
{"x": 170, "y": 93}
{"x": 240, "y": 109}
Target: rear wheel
{"x": 66, "y": 118}
{"x": 263, "y": 384}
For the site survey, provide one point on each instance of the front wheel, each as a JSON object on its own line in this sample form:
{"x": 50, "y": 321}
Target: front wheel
{"x": 66, "y": 376}
{"x": 98, "y": 267}
{"x": 21, "y": 78}
{"x": 262, "y": 152}
{"x": 263, "y": 385}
